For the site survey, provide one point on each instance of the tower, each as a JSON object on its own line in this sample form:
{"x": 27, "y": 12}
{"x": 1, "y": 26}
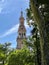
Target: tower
{"x": 21, "y": 32}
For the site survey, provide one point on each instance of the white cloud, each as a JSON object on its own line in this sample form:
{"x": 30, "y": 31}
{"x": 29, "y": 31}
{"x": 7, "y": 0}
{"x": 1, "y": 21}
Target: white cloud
{"x": 3, "y": 0}
{"x": 1, "y": 9}
{"x": 9, "y": 6}
{"x": 26, "y": 25}
{"x": 10, "y": 31}
{"x": 2, "y": 5}
{"x": 14, "y": 29}
{"x": 28, "y": 34}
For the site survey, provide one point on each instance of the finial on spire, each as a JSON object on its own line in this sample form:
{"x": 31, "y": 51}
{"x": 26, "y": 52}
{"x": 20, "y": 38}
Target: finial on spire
{"x": 21, "y": 13}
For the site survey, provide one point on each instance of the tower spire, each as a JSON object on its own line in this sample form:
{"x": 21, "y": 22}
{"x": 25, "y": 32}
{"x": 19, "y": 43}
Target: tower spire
{"x": 21, "y": 32}
{"x": 21, "y": 18}
{"x": 21, "y": 13}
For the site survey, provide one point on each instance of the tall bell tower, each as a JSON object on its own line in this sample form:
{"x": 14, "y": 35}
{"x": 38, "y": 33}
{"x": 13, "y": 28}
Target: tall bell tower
{"x": 21, "y": 32}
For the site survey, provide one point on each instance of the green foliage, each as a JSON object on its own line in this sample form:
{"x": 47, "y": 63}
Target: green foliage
{"x": 33, "y": 43}
{"x": 20, "y": 57}
{"x": 4, "y": 52}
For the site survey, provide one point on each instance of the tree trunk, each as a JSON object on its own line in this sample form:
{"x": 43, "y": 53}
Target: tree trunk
{"x": 3, "y": 62}
{"x": 41, "y": 25}
{"x": 38, "y": 52}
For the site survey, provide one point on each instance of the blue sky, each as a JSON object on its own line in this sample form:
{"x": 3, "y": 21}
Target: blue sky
{"x": 9, "y": 19}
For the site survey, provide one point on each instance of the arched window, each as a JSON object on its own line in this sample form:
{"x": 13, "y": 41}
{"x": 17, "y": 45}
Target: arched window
{"x": 19, "y": 33}
{"x": 24, "y": 34}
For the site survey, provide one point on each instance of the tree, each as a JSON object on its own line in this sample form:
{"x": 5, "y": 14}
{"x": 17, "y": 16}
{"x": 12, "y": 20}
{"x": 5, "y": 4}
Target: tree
{"x": 2, "y": 55}
{"x": 40, "y": 20}
{"x": 21, "y": 57}
{"x": 4, "y": 50}
{"x": 33, "y": 42}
